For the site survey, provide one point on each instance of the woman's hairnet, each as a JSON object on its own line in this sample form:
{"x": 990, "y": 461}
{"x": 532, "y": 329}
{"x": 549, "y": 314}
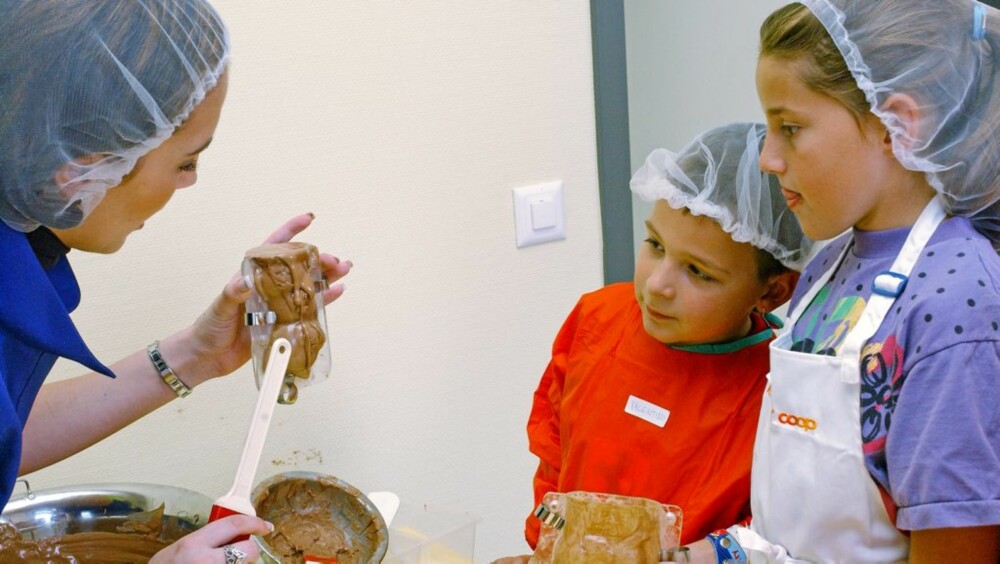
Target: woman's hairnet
{"x": 88, "y": 88}
{"x": 718, "y": 175}
{"x": 945, "y": 55}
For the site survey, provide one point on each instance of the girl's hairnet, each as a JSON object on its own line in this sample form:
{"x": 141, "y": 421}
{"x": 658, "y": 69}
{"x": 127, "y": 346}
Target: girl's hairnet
{"x": 718, "y": 175}
{"x": 945, "y": 55}
{"x": 88, "y": 88}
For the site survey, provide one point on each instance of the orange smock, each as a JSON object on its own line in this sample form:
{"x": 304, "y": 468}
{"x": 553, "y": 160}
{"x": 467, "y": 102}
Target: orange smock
{"x": 699, "y": 459}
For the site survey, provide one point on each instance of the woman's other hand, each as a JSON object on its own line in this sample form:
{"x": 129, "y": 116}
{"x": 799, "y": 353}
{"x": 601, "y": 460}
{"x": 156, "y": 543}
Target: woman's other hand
{"x": 219, "y": 339}
{"x": 208, "y": 544}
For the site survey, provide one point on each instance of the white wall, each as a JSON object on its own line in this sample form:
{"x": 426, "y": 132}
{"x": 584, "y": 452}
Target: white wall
{"x": 403, "y": 126}
{"x": 690, "y": 67}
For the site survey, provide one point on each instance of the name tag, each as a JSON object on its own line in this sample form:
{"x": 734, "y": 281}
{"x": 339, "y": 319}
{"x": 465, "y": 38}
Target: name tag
{"x": 647, "y": 411}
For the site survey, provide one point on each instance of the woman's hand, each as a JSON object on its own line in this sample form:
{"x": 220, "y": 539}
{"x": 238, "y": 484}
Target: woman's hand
{"x": 208, "y": 544}
{"x": 94, "y": 406}
{"x": 219, "y": 340}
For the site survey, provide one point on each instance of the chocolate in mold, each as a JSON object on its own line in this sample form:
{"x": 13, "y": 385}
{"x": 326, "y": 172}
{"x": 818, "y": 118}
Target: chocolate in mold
{"x": 622, "y": 533}
{"x": 598, "y": 527}
{"x": 286, "y": 278}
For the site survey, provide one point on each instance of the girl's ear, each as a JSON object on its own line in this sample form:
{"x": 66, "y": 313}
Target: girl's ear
{"x": 779, "y": 290}
{"x": 907, "y": 112}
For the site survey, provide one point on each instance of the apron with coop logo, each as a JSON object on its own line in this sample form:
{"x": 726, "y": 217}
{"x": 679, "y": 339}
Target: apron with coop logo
{"x": 810, "y": 490}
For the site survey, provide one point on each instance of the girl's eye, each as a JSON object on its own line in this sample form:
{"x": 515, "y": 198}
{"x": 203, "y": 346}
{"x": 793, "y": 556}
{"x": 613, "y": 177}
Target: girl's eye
{"x": 654, "y": 244}
{"x": 701, "y": 275}
{"x": 190, "y": 166}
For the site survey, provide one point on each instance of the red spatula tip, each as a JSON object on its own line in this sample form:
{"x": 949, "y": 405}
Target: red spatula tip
{"x": 220, "y": 511}
{"x": 320, "y": 559}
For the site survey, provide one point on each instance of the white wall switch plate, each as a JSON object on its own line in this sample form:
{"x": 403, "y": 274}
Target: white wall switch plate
{"x": 538, "y": 213}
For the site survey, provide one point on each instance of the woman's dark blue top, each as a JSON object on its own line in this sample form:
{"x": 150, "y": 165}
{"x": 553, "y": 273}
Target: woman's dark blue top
{"x": 37, "y": 292}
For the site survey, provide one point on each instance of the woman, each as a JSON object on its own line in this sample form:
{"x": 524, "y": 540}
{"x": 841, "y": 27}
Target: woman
{"x": 107, "y": 108}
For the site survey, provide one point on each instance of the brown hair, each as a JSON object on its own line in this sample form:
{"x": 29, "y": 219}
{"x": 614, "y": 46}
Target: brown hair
{"x": 959, "y": 132}
{"x": 794, "y": 34}
{"x": 768, "y": 266}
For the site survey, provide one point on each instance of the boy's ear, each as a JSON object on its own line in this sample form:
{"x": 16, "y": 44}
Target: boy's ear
{"x": 779, "y": 290}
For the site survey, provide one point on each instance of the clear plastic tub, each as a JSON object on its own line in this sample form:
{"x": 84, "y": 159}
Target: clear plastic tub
{"x": 422, "y": 534}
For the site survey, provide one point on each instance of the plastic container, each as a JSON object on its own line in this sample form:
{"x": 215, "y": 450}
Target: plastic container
{"x": 422, "y": 534}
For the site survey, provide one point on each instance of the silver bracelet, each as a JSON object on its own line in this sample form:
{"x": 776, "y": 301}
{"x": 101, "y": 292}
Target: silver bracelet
{"x": 166, "y": 374}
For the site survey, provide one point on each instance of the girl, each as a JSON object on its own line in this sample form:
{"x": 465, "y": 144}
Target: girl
{"x": 878, "y": 438}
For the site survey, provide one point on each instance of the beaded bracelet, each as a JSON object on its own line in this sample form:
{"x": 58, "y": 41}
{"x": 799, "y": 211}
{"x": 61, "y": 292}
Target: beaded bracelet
{"x": 726, "y": 547}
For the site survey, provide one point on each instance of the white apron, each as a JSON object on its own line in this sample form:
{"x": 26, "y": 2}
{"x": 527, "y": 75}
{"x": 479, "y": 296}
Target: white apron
{"x": 810, "y": 490}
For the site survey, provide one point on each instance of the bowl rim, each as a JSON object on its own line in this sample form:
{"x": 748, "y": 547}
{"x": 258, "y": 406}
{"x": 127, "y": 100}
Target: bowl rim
{"x": 36, "y": 497}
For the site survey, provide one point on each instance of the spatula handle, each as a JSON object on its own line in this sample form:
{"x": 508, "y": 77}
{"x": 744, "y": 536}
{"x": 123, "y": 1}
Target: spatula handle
{"x": 237, "y": 500}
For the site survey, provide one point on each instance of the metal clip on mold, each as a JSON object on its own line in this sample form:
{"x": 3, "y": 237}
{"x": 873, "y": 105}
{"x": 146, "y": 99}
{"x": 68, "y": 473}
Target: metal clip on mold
{"x": 255, "y": 318}
{"x": 549, "y": 517}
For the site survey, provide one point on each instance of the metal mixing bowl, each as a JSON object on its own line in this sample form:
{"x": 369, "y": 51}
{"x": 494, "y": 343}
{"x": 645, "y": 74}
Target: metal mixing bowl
{"x": 103, "y": 507}
{"x": 350, "y": 511}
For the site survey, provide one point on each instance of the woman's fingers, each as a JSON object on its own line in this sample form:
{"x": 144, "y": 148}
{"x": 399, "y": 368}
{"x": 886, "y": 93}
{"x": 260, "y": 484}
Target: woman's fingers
{"x": 290, "y": 229}
{"x": 219, "y": 533}
{"x": 333, "y": 268}
{"x": 211, "y": 543}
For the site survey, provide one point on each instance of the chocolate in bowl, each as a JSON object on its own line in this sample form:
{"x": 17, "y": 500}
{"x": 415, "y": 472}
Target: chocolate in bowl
{"x": 319, "y": 516}
{"x": 98, "y": 523}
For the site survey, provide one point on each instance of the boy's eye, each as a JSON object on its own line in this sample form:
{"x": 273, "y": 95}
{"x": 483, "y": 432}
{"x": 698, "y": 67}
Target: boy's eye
{"x": 700, "y": 274}
{"x": 654, "y": 244}
{"x": 190, "y": 166}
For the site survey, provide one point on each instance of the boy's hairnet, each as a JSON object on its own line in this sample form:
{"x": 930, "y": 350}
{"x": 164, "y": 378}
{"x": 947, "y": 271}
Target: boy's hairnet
{"x": 88, "y": 88}
{"x": 718, "y": 175}
{"x": 945, "y": 55}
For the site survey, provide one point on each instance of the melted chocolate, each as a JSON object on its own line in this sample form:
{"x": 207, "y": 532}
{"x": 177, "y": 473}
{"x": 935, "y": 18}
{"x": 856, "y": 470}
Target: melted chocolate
{"x": 135, "y": 540}
{"x": 315, "y": 519}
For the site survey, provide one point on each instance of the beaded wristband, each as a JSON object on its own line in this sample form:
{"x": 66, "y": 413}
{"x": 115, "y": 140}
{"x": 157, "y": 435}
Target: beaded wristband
{"x": 165, "y": 372}
{"x": 726, "y": 547}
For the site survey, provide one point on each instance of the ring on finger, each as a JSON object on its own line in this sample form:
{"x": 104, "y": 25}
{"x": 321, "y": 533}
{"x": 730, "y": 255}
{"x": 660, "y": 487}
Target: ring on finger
{"x": 234, "y": 555}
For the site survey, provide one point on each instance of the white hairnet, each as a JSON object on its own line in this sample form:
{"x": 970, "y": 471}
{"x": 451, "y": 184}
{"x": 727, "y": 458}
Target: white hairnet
{"x": 88, "y": 88}
{"x": 718, "y": 175}
{"x": 945, "y": 54}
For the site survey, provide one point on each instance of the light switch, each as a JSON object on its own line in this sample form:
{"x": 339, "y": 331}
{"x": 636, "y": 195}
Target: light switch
{"x": 538, "y": 213}
{"x": 543, "y": 214}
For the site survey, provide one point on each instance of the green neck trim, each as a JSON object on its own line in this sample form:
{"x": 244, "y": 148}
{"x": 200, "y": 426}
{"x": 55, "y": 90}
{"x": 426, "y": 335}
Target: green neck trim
{"x": 773, "y": 322}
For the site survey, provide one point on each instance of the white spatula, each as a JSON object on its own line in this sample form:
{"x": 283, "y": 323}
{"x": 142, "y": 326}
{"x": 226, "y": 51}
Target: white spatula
{"x": 237, "y": 500}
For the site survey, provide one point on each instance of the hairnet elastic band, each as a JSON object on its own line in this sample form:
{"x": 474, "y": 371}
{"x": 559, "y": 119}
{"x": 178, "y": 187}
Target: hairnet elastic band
{"x": 978, "y": 21}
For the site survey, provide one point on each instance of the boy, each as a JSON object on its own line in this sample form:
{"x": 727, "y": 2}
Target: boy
{"x": 654, "y": 386}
